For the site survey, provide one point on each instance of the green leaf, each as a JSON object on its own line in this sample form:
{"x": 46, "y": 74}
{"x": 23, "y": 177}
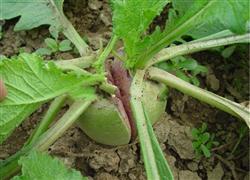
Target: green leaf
{"x": 33, "y": 14}
{"x": 215, "y": 143}
{"x": 199, "y": 69}
{"x": 196, "y": 144}
{"x": 54, "y": 32}
{"x": 65, "y": 45}
{"x": 42, "y": 166}
{"x": 131, "y": 19}
{"x": 43, "y": 51}
{"x": 52, "y": 44}
{"x": 228, "y": 15}
{"x": 205, "y": 151}
{"x": 31, "y": 82}
{"x": 167, "y": 66}
{"x": 195, "y": 81}
{"x": 204, "y": 137}
{"x": 188, "y": 64}
{"x": 227, "y": 52}
{"x": 182, "y": 75}
{"x": 210, "y": 15}
{"x": 187, "y": 16}
{"x": 195, "y": 133}
{"x": 203, "y": 127}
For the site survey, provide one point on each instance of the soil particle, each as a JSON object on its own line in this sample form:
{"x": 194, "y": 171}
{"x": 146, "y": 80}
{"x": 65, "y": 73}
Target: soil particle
{"x": 188, "y": 175}
{"x": 91, "y": 17}
{"x": 180, "y": 139}
{"x": 162, "y": 130}
{"x": 128, "y": 159}
{"x": 105, "y": 176}
{"x": 189, "y": 110}
{"x": 178, "y": 105}
{"x": 94, "y": 4}
{"x": 106, "y": 159}
{"x": 98, "y": 161}
{"x": 12, "y": 42}
{"x": 192, "y": 166}
{"x": 64, "y": 55}
{"x": 216, "y": 173}
{"x": 68, "y": 161}
{"x": 213, "y": 82}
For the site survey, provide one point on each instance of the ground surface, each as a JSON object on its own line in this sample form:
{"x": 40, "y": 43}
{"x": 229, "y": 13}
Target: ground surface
{"x": 228, "y": 78}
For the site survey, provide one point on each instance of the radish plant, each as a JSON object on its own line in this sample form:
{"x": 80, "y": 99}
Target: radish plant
{"x": 114, "y": 100}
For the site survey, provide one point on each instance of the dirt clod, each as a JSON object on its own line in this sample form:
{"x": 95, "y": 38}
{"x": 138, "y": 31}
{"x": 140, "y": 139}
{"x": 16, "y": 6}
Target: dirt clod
{"x": 188, "y": 175}
{"x": 216, "y": 173}
{"x": 108, "y": 160}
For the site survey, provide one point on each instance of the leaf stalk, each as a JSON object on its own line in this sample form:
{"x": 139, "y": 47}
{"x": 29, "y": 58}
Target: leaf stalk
{"x": 197, "y": 46}
{"x": 155, "y": 163}
{"x": 210, "y": 98}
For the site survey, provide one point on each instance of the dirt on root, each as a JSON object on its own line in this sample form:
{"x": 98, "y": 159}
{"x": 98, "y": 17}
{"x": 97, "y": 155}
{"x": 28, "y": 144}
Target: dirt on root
{"x": 100, "y": 162}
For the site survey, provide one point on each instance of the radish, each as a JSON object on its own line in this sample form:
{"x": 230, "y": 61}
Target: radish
{"x": 109, "y": 120}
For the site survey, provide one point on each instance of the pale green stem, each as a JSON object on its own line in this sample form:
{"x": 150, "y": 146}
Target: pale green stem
{"x": 192, "y": 47}
{"x": 82, "y": 62}
{"x": 200, "y": 94}
{"x": 100, "y": 63}
{"x": 118, "y": 56}
{"x": 243, "y": 132}
{"x": 68, "y": 119}
{"x": 105, "y": 86}
{"x": 76, "y": 69}
{"x": 10, "y": 167}
{"x": 148, "y": 142}
{"x": 109, "y": 88}
{"x": 137, "y": 109}
{"x": 69, "y": 31}
{"x": 46, "y": 121}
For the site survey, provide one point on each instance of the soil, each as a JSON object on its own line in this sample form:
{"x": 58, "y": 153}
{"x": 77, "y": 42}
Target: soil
{"x": 226, "y": 77}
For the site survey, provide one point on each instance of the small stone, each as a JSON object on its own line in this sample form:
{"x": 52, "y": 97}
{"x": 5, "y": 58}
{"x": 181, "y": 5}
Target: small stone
{"x": 68, "y": 161}
{"x": 188, "y": 175}
{"x": 180, "y": 139}
{"x": 127, "y": 160}
{"x": 216, "y": 173}
{"x": 94, "y": 4}
{"x": 162, "y": 129}
{"x": 105, "y": 176}
{"x": 65, "y": 55}
{"x": 132, "y": 176}
{"x": 193, "y": 166}
{"x": 213, "y": 82}
{"x": 107, "y": 160}
{"x": 105, "y": 18}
